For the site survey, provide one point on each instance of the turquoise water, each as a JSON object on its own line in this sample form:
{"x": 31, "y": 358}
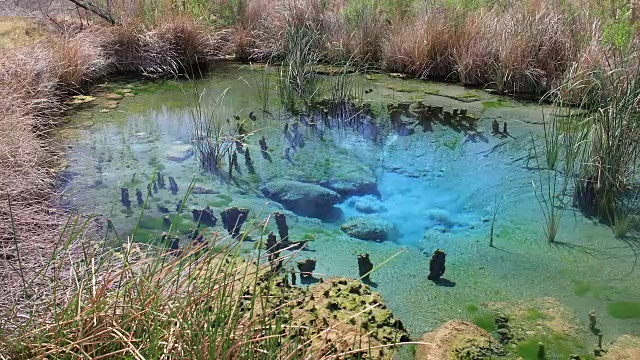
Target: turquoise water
{"x": 437, "y": 184}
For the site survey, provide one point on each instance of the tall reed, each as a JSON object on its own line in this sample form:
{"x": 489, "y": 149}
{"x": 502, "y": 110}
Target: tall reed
{"x": 549, "y": 194}
{"x": 212, "y": 138}
{"x": 610, "y": 96}
{"x": 301, "y": 55}
{"x": 564, "y": 149}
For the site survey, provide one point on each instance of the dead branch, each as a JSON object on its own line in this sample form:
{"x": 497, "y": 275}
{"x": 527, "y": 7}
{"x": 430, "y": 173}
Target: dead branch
{"x": 89, "y": 6}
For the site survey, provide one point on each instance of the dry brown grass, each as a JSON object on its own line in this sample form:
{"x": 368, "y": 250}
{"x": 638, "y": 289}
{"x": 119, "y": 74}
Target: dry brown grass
{"x": 424, "y": 49}
{"x": 27, "y": 96}
{"x": 360, "y": 37}
{"x": 172, "y": 47}
{"x": 474, "y": 53}
{"x": 534, "y": 47}
{"x": 33, "y": 83}
{"x": 524, "y": 48}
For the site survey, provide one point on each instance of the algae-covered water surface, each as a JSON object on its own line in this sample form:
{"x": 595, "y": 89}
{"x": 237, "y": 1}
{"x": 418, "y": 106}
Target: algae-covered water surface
{"x": 412, "y": 168}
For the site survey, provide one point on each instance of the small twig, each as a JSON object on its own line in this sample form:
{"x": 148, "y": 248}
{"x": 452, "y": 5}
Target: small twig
{"x": 493, "y": 221}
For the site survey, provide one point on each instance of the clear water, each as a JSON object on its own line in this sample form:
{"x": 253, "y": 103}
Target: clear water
{"x": 438, "y": 187}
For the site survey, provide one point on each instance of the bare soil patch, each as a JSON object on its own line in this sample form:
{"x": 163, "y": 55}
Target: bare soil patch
{"x": 18, "y": 31}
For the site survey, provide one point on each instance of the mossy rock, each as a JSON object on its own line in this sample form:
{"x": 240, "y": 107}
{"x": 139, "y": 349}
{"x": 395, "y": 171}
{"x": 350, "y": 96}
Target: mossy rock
{"x": 626, "y": 347}
{"x": 370, "y": 228}
{"x": 302, "y": 198}
{"x": 458, "y": 339}
{"x": 340, "y": 303}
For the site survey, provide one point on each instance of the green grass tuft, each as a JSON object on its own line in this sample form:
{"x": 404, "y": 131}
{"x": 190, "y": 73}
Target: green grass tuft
{"x": 624, "y": 309}
{"x": 581, "y": 288}
{"x": 485, "y": 321}
{"x": 535, "y": 314}
{"x": 557, "y": 346}
{"x": 494, "y": 104}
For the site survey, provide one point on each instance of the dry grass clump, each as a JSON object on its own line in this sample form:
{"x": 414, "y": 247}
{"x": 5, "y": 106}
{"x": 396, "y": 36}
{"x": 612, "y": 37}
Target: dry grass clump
{"x": 173, "y": 47}
{"x": 534, "y": 47}
{"x": 261, "y": 32}
{"x": 515, "y": 47}
{"x": 425, "y": 48}
{"x": 27, "y": 88}
{"x": 253, "y": 35}
{"x": 474, "y": 53}
{"x": 79, "y": 58}
{"x": 358, "y": 33}
{"x": 523, "y": 48}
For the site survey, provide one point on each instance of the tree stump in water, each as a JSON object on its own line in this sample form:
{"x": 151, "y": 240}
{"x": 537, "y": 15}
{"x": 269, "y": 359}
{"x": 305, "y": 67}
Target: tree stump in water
{"x": 139, "y": 197}
{"x": 124, "y": 197}
{"x": 437, "y": 265}
{"x": 204, "y": 216}
{"x": 306, "y": 268}
{"x": 173, "y": 185}
{"x": 233, "y": 218}
{"x": 364, "y": 266}
{"x": 283, "y": 228}
{"x": 272, "y": 243}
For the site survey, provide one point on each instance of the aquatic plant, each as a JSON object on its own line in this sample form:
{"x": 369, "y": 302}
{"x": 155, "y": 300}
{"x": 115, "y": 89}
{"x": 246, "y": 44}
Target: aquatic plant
{"x": 212, "y": 139}
{"x": 341, "y": 87}
{"x": 549, "y": 194}
{"x": 623, "y": 220}
{"x": 297, "y": 74}
{"x": 552, "y": 139}
{"x": 263, "y": 88}
{"x": 610, "y": 117}
{"x": 624, "y": 309}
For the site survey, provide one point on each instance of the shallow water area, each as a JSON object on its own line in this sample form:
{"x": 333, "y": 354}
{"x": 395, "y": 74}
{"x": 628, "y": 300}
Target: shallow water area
{"x": 435, "y": 183}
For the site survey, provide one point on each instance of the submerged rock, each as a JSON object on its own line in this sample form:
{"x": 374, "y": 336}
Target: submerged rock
{"x": 113, "y": 96}
{"x": 369, "y": 228}
{"x": 302, "y": 198}
{"x": 141, "y": 135}
{"x": 354, "y": 186}
{"x": 111, "y": 105}
{"x": 458, "y": 340}
{"x": 200, "y": 190}
{"x": 352, "y": 181}
{"x": 368, "y": 204}
{"x": 179, "y": 152}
